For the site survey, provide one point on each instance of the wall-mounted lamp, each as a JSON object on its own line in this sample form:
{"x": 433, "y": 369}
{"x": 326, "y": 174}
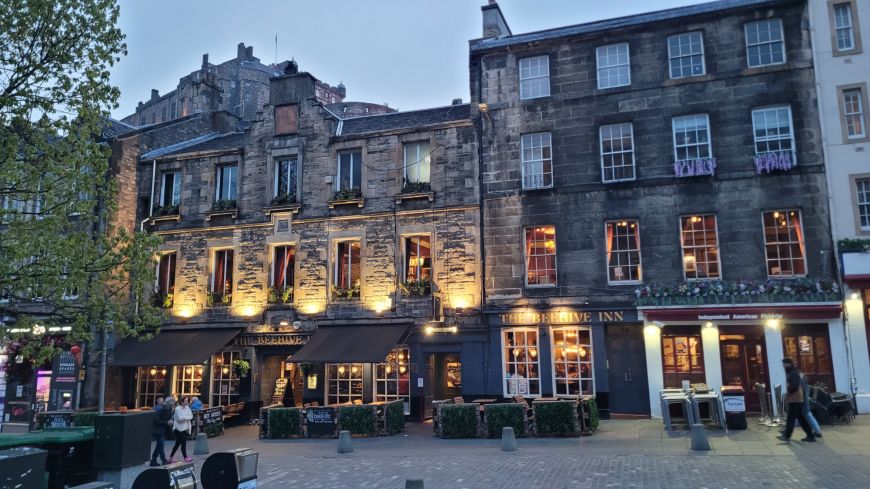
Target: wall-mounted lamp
{"x": 708, "y": 324}
{"x": 854, "y": 296}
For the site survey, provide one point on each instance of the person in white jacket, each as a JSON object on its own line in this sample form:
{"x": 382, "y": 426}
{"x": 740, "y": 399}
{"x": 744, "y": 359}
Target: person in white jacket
{"x": 181, "y": 419}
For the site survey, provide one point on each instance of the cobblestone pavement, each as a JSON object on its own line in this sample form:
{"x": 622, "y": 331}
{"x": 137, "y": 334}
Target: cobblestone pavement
{"x": 622, "y": 454}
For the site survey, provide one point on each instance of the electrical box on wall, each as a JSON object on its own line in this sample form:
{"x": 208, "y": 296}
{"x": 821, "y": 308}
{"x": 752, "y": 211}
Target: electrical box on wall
{"x": 328, "y": 179}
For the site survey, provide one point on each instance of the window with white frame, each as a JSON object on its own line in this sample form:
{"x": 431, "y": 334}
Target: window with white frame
{"x": 843, "y": 28}
{"x": 349, "y": 170}
{"x": 347, "y": 270}
{"x": 285, "y": 181}
{"x": 784, "y": 243}
{"x": 853, "y": 112}
{"x": 283, "y": 266}
{"x": 150, "y": 384}
{"x": 170, "y": 191}
{"x": 772, "y": 129}
{"x": 764, "y": 43}
{"x": 613, "y": 66}
{"x": 393, "y": 378}
{"x": 224, "y": 382}
{"x": 617, "y": 152}
{"x": 522, "y": 372}
{"x": 862, "y": 194}
{"x": 622, "y": 244}
{"x": 227, "y": 181}
{"x": 188, "y": 381}
{"x": 344, "y": 382}
{"x": 417, "y": 163}
{"x": 700, "y": 242}
{"x": 221, "y": 287}
{"x": 541, "y": 256}
{"x": 686, "y": 53}
{"x": 534, "y": 77}
{"x": 572, "y": 361}
{"x": 692, "y": 137}
{"x": 537, "y": 155}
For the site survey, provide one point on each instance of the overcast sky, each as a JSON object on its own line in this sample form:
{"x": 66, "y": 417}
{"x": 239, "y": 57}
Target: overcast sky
{"x": 410, "y": 54}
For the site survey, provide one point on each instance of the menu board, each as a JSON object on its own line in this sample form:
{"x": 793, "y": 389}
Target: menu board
{"x": 321, "y": 421}
{"x": 210, "y": 417}
{"x": 278, "y": 393}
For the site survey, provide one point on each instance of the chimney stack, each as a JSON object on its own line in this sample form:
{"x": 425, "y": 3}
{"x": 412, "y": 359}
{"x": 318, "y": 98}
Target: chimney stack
{"x": 249, "y": 52}
{"x": 154, "y": 94}
{"x": 494, "y": 24}
{"x": 342, "y": 90}
{"x": 240, "y": 51}
{"x": 205, "y": 62}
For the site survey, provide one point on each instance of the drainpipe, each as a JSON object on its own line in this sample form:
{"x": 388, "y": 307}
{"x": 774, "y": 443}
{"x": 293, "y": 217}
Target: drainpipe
{"x": 150, "y": 196}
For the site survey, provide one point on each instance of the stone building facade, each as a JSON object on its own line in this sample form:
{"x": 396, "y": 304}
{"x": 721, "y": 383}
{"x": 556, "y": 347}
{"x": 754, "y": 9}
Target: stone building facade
{"x": 635, "y": 170}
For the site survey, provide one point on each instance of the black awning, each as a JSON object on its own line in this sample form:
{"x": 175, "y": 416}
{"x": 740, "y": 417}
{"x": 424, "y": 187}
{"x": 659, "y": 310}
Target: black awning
{"x": 173, "y": 347}
{"x": 360, "y": 344}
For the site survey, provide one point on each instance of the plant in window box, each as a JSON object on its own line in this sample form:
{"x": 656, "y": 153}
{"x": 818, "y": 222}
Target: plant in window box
{"x": 162, "y": 300}
{"x": 778, "y": 160}
{"x": 166, "y": 210}
{"x": 345, "y": 292}
{"x": 283, "y": 199}
{"x": 223, "y": 205}
{"x": 241, "y": 368}
{"x": 348, "y": 194}
{"x": 416, "y": 288}
{"x": 280, "y": 296}
{"x": 217, "y": 299}
{"x": 416, "y": 187}
{"x": 854, "y": 245}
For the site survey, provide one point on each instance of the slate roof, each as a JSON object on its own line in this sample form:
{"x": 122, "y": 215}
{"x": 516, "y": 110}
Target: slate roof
{"x": 617, "y": 23}
{"x": 403, "y": 120}
{"x": 212, "y": 141}
{"x": 113, "y": 128}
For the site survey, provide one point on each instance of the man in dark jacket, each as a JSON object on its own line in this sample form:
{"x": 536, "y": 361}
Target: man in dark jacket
{"x": 794, "y": 399}
{"x": 162, "y": 423}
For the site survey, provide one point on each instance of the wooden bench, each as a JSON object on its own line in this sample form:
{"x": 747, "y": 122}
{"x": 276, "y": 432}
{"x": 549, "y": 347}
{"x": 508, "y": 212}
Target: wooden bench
{"x": 233, "y": 410}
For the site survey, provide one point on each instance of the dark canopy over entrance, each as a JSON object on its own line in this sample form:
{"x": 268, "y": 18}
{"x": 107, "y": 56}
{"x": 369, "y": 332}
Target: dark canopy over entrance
{"x": 352, "y": 344}
{"x": 185, "y": 347}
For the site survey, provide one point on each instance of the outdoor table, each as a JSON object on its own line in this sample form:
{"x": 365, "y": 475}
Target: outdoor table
{"x": 668, "y": 398}
{"x": 717, "y": 412}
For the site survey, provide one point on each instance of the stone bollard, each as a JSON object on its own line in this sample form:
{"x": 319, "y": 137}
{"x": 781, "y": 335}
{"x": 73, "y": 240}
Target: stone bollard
{"x": 344, "y": 445}
{"x": 201, "y": 445}
{"x": 413, "y": 483}
{"x": 700, "y": 443}
{"x": 508, "y": 441}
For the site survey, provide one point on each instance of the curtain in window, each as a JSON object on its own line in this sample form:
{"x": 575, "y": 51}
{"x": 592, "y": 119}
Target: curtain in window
{"x": 795, "y": 219}
{"x": 281, "y": 256}
{"x": 217, "y": 286}
{"x": 609, "y": 242}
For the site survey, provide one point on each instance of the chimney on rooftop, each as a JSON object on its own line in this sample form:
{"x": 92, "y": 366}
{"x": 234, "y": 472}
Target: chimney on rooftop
{"x": 292, "y": 68}
{"x": 154, "y": 94}
{"x": 456, "y": 101}
{"x": 240, "y": 51}
{"x": 249, "y": 52}
{"x": 494, "y": 24}
{"x": 205, "y": 62}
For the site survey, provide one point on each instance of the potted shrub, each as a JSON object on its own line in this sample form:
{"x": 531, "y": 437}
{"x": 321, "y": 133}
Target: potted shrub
{"x": 280, "y": 296}
{"x": 345, "y": 292}
{"x": 241, "y": 368}
{"x": 213, "y": 299}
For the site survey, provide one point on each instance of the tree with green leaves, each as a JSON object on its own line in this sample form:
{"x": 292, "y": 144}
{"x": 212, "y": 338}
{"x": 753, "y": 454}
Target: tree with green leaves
{"x": 67, "y": 269}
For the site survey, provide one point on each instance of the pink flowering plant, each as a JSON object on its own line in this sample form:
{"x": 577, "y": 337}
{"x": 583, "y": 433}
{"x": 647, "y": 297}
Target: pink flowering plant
{"x": 768, "y": 162}
{"x": 742, "y": 292}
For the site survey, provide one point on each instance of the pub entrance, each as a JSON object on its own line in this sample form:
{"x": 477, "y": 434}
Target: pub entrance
{"x": 281, "y": 381}
{"x": 443, "y": 379}
{"x": 626, "y": 360}
{"x": 744, "y": 360}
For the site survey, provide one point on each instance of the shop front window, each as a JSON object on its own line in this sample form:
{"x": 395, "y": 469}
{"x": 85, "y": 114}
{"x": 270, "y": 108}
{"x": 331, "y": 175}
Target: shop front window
{"x": 224, "y": 382}
{"x": 682, "y": 357}
{"x": 522, "y": 375}
{"x": 572, "y": 362}
{"x": 188, "y": 381}
{"x": 150, "y": 384}
{"x": 393, "y": 378}
{"x": 345, "y": 382}
{"x": 810, "y": 349}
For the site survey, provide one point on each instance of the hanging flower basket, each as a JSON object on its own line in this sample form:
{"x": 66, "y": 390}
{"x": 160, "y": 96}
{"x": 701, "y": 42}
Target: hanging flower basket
{"x": 241, "y": 368}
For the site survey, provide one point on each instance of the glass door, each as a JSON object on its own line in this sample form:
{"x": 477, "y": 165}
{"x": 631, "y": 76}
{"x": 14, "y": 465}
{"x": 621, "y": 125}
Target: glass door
{"x": 744, "y": 363}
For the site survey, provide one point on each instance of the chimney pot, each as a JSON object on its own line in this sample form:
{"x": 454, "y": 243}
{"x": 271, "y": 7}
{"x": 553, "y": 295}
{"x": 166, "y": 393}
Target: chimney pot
{"x": 240, "y": 51}
{"x": 457, "y": 101}
{"x": 205, "y": 61}
{"x": 494, "y": 23}
{"x": 155, "y": 94}
{"x": 249, "y": 52}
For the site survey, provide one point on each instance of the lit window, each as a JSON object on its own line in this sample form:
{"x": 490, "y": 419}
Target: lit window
{"x": 863, "y": 197}
{"x": 682, "y": 357}
{"x": 617, "y": 152}
{"x": 700, "y": 244}
{"x": 227, "y": 181}
{"x": 224, "y": 382}
{"x": 537, "y": 155}
{"x": 285, "y": 181}
{"x": 764, "y": 43}
{"x": 623, "y": 251}
{"x": 572, "y": 362}
{"x": 534, "y": 77}
{"x": 150, "y": 384}
{"x": 522, "y": 375}
{"x": 613, "y": 66}
{"x": 686, "y": 52}
{"x": 344, "y": 382}
{"x": 853, "y": 111}
{"x": 170, "y": 191}
{"x": 165, "y": 289}
{"x": 843, "y": 27}
{"x": 222, "y": 278}
{"x": 784, "y": 243}
{"x": 692, "y": 138}
{"x": 417, "y": 161}
{"x": 541, "y": 256}
{"x": 283, "y": 261}
{"x": 347, "y": 273}
{"x": 393, "y": 378}
{"x": 418, "y": 256}
{"x": 349, "y": 170}
{"x": 188, "y": 381}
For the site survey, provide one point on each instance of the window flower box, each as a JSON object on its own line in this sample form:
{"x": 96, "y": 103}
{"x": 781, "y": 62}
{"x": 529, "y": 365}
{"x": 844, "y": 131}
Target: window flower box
{"x": 216, "y": 299}
{"x": 742, "y": 292}
{"x": 348, "y": 196}
{"x": 223, "y": 208}
{"x": 164, "y": 301}
{"x": 695, "y": 168}
{"x": 770, "y": 162}
{"x": 416, "y": 190}
{"x": 416, "y": 288}
{"x": 283, "y": 200}
{"x": 281, "y": 296}
{"x": 862, "y": 245}
{"x": 345, "y": 292}
{"x": 166, "y": 210}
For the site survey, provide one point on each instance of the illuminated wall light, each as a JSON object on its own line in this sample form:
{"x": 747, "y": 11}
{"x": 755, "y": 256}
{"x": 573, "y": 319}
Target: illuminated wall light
{"x": 708, "y": 324}
{"x": 185, "y": 311}
{"x": 312, "y": 308}
{"x": 773, "y": 323}
{"x": 430, "y": 330}
{"x": 247, "y": 311}
{"x": 454, "y": 329}
{"x": 854, "y": 296}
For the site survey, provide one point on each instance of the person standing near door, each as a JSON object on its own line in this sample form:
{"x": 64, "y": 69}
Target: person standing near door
{"x": 794, "y": 398}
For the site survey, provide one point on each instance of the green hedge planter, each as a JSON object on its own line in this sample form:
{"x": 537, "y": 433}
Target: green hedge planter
{"x": 460, "y": 421}
{"x": 359, "y": 420}
{"x": 395, "y": 417}
{"x": 84, "y": 418}
{"x": 556, "y": 418}
{"x": 499, "y": 416}
{"x": 283, "y": 423}
{"x": 214, "y": 430}
{"x": 593, "y": 414}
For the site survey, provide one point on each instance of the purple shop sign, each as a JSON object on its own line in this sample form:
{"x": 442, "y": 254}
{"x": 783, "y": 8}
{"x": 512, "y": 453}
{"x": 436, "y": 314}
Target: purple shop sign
{"x": 768, "y": 162}
{"x": 694, "y": 168}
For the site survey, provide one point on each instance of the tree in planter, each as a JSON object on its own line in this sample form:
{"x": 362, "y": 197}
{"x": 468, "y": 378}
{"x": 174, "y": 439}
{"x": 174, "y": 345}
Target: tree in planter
{"x": 61, "y": 238}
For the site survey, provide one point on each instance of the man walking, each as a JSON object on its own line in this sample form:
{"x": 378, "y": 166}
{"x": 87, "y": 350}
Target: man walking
{"x": 794, "y": 399}
{"x": 162, "y": 422}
